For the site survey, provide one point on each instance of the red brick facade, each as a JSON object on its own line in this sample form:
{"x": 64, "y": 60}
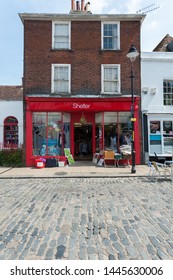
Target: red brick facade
{"x": 85, "y": 56}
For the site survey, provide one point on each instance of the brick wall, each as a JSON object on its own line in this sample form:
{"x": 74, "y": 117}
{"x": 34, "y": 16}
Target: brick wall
{"x": 85, "y": 56}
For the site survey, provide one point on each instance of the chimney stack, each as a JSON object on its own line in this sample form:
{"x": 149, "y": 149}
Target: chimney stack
{"x": 72, "y": 5}
{"x": 79, "y": 7}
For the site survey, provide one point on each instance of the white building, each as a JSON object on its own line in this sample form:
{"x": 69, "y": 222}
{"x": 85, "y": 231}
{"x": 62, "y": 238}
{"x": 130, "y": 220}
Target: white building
{"x": 11, "y": 116}
{"x": 157, "y": 102}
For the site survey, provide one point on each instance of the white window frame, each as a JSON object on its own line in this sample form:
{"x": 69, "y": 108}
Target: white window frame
{"x": 118, "y": 34}
{"x": 103, "y": 66}
{"x": 168, "y": 93}
{"x": 53, "y": 74}
{"x": 53, "y": 37}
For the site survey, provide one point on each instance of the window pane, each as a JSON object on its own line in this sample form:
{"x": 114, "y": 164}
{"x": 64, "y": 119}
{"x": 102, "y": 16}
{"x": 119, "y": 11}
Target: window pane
{"x": 11, "y": 120}
{"x": 61, "y": 79}
{"x": 168, "y": 92}
{"x": 110, "y": 87}
{"x": 110, "y": 79}
{"x": 39, "y": 132}
{"x": 167, "y": 127}
{"x": 61, "y": 36}
{"x": 154, "y": 126}
{"x": 110, "y": 36}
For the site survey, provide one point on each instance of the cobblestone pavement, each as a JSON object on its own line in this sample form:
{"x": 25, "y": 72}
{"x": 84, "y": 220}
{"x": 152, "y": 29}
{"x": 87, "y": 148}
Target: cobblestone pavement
{"x": 86, "y": 218}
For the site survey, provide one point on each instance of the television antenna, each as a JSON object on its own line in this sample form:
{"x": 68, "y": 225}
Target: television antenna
{"x": 148, "y": 9}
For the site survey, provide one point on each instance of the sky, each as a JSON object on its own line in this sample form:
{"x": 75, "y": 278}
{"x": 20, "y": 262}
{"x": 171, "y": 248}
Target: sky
{"x": 155, "y": 27}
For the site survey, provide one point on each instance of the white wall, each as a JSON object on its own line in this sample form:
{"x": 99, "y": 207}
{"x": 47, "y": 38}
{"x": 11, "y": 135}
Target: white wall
{"x": 15, "y": 109}
{"x": 155, "y": 67}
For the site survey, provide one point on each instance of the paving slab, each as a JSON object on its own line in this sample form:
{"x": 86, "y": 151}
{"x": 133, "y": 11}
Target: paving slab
{"x": 86, "y": 169}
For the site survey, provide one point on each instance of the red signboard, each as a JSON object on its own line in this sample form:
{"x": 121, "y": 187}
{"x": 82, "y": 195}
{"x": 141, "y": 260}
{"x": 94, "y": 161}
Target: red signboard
{"x": 75, "y": 105}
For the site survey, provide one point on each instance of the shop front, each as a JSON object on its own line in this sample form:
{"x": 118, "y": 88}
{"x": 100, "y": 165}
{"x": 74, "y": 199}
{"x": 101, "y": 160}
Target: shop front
{"x": 159, "y": 136}
{"x": 84, "y": 125}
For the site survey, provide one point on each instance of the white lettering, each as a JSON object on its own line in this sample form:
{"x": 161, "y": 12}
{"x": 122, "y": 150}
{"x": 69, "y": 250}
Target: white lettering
{"x": 81, "y": 106}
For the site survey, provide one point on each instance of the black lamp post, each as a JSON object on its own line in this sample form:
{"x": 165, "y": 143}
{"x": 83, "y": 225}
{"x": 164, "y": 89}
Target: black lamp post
{"x": 132, "y": 54}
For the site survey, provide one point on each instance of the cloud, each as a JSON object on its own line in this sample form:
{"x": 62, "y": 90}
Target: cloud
{"x": 99, "y": 6}
{"x": 133, "y": 6}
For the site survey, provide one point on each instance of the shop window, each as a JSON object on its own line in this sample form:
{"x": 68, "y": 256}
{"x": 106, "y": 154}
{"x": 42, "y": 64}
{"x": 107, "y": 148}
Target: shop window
{"x": 155, "y": 137}
{"x": 111, "y": 79}
{"x": 11, "y": 132}
{"x": 155, "y": 127}
{"x": 61, "y": 35}
{"x": 51, "y": 133}
{"x": 110, "y": 36}
{"x": 99, "y": 131}
{"x": 113, "y": 129}
{"x": 168, "y": 92}
{"x": 61, "y": 74}
{"x": 167, "y": 137}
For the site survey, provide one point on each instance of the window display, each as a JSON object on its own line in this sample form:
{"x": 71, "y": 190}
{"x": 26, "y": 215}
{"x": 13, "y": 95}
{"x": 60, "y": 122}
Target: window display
{"x": 51, "y": 133}
{"x": 161, "y": 137}
{"x": 11, "y": 132}
{"x": 116, "y": 128}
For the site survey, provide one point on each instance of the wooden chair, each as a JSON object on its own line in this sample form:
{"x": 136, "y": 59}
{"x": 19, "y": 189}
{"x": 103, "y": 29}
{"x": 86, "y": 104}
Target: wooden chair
{"x": 161, "y": 170}
{"x": 109, "y": 158}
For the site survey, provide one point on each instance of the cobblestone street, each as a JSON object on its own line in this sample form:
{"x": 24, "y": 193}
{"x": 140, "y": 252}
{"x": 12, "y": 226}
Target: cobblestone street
{"x": 86, "y": 219}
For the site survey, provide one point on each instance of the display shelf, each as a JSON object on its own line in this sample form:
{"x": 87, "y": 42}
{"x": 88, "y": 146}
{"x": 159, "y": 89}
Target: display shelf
{"x": 10, "y": 135}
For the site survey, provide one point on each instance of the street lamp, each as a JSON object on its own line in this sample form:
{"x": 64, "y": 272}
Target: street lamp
{"x": 132, "y": 54}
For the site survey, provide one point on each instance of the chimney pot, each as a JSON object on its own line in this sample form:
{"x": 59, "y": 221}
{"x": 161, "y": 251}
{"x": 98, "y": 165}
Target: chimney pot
{"x": 82, "y": 5}
{"x": 72, "y": 5}
{"x": 87, "y": 7}
{"x": 77, "y": 5}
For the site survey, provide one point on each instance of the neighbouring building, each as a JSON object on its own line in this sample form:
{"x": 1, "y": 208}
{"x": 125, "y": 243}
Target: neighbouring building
{"x": 11, "y": 116}
{"x": 157, "y": 100}
{"x": 77, "y": 87}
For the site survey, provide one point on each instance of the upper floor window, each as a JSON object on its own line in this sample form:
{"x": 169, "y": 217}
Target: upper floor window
{"x": 110, "y": 36}
{"x": 61, "y": 35}
{"x": 61, "y": 76}
{"x": 168, "y": 92}
{"x": 111, "y": 79}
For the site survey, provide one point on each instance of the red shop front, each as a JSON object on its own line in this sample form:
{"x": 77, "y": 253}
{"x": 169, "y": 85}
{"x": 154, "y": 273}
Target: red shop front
{"x": 84, "y": 125}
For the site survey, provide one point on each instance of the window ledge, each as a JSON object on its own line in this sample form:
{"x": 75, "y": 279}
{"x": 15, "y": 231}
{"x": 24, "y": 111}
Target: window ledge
{"x": 66, "y": 50}
{"x": 111, "y": 94}
{"x": 105, "y": 50}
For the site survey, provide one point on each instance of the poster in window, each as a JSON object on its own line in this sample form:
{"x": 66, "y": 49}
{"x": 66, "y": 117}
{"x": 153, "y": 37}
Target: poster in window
{"x": 154, "y": 126}
{"x": 167, "y": 126}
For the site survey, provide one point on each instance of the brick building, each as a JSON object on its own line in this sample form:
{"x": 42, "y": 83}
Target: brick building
{"x": 77, "y": 85}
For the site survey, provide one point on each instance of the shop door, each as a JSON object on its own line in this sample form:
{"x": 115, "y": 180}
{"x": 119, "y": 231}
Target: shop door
{"x": 83, "y": 141}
